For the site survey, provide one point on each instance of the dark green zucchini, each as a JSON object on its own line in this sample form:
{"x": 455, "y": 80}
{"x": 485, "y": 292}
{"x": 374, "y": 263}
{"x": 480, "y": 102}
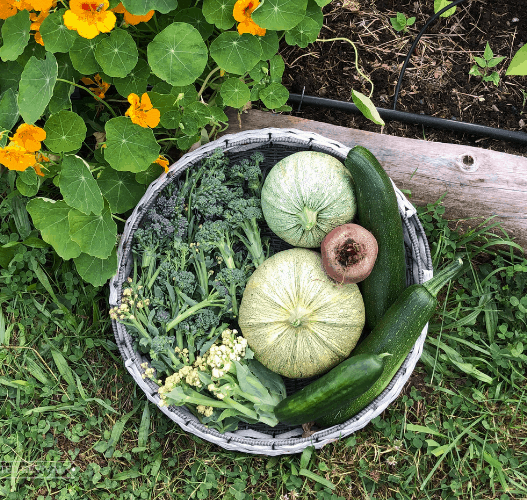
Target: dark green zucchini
{"x": 348, "y": 379}
{"x": 396, "y": 333}
{"x": 378, "y": 212}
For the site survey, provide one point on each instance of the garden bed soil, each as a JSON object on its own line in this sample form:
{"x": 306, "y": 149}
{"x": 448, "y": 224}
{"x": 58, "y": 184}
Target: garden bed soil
{"x": 437, "y": 80}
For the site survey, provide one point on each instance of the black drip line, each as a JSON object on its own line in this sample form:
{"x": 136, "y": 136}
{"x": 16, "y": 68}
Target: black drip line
{"x": 406, "y": 117}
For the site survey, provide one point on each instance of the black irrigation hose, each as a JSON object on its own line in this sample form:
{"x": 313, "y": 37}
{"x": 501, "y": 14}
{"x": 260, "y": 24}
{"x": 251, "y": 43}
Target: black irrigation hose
{"x": 405, "y": 117}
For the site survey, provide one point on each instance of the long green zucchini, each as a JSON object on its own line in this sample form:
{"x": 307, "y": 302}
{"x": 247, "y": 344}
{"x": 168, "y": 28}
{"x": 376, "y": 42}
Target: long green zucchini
{"x": 396, "y": 333}
{"x": 378, "y": 212}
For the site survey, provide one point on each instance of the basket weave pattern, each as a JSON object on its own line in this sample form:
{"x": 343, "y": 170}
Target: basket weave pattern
{"x": 260, "y": 439}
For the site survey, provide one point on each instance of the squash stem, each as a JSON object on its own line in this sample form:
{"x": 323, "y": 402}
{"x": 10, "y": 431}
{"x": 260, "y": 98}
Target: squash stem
{"x": 308, "y": 218}
{"x": 443, "y": 277}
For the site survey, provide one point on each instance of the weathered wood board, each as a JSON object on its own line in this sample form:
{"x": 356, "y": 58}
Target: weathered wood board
{"x": 478, "y": 183}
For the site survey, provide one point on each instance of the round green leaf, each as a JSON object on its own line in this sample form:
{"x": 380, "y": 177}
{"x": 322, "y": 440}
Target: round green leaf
{"x": 135, "y": 82}
{"x": 366, "y": 107}
{"x": 10, "y": 76}
{"x": 95, "y": 234}
{"x": 304, "y": 33}
{"x": 279, "y": 14}
{"x": 65, "y": 131}
{"x": 62, "y": 90}
{"x": 169, "y": 107}
{"x": 199, "y": 111}
{"x": 120, "y": 189}
{"x": 195, "y": 17}
{"x": 51, "y": 219}
{"x": 236, "y": 53}
{"x": 117, "y": 54}
{"x": 56, "y": 37}
{"x": 178, "y": 54}
{"x": 82, "y": 55}
{"x": 219, "y": 13}
{"x": 129, "y": 146}
{"x": 141, "y": 7}
{"x": 15, "y": 35}
{"x": 36, "y": 87}
{"x": 274, "y": 96}
{"x": 518, "y": 65}
{"x": 28, "y": 182}
{"x": 150, "y": 174}
{"x": 78, "y": 187}
{"x": 234, "y": 93}
{"x": 269, "y": 43}
{"x": 314, "y": 11}
{"x": 8, "y": 110}
{"x": 276, "y": 68}
{"x": 96, "y": 271}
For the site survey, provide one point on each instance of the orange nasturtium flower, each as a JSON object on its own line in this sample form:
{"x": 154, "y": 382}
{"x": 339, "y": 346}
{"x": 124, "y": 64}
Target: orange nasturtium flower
{"x": 100, "y": 88}
{"x": 29, "y": 137}
{"x": 16, "y": 157}
{"x": 39, "y": 157}
{"x": 36, "y": 21}
{"x": 7, "y": 9}
{"x": 132, "y": 18}
{"x": 161, "y": 160}
{"x": 242, "y": 13}
{"x": 142, "y": 112}
{"x": 89, "y": 18}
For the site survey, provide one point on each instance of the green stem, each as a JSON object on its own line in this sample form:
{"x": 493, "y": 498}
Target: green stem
{"x": 443, "y": 277}
{"x": 308, "y": 218}
{"x": 90, "y": 92}
{"x": 356, "y": 57}
{"x": 204, "y": 86}
{"x": 211, "y": 301}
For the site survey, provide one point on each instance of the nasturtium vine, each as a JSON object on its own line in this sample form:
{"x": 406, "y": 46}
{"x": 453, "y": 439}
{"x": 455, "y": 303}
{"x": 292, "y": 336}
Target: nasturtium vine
{"x": 98, "y": 98}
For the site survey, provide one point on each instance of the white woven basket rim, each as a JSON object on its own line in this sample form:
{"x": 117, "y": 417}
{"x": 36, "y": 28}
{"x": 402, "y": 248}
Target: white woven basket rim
{"x": 419, "y": 270}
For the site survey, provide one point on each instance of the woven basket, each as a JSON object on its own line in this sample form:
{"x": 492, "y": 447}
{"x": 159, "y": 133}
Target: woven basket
{"x": 275, "y": 144}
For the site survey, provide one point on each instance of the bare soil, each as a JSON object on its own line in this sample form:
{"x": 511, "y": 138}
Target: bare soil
{"x": 437, "y": 80}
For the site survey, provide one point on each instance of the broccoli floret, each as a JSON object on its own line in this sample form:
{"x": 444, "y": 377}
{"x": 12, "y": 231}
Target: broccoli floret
{"x": 250, "y": 172}
{"x": 185, "y": 281}
{"x": 160, "y": 344}
{"x": 213, "y": 195}
{"x": 215, "y": 234}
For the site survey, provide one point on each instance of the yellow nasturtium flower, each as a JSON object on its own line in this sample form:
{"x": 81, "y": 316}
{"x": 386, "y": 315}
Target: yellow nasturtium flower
{"x": 161, "y": 160}
{"x": 7, "y": 9}
{"x": 242, "y": 13}
{"x": 100, "y": 86}
{"x": 15, "y": 157}
{"x": 29, "y": 137}
{"x": 142, "y": 112}
{"x": 89, "y": 18}
{"x": 132, "y": 18}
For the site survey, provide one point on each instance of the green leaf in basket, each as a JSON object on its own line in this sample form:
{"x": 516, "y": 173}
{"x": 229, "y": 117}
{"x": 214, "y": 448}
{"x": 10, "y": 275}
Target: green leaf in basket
{"x": 78, "y": 187}
{"x": 117, "y": 54}
{"x": 274, "y": 96}
{"x": 82, "y": 55}
{"x": 129, "y": 146}
{"x": 135, "y": 82}
{"x": 279, "y": 14}
{"x": 95, "y": 234}
{"x": 28, "y": 182}
{"x": 366, "y": 107}
{"x": 141, "y": 7}
{"x": 236, "y": 53}
{"x": 219, "y": 13}
{"x": 269, "y": 44}
{"x": 36, "y": 87}
{"x": 194, "y": 16}
{"x": 15, "y": 35}
{"x": 304, "y": 33}
{"x": 120, "y": 189}
{"x": 65, "y": 131}
{"x": 8, "y": 110}
{"x": 51, "y": 219}
{"x": 235, "y": 93}
{"x": 55, "y": 35}
{"x": 94, "y": 270}
{"x": 178, "y": 54}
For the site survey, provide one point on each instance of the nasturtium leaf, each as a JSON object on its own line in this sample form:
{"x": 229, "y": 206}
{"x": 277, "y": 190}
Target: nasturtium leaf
{"x": 276, "y": 68}
{"x": 120, "y": 190}
{"x": 78, "y": 187}
{"x": 8, "y": 110}
{"x": 82, "y": 55}
{"x": 269, "y": 43}
{"x": 15, "y": 35}
{"x": 56, "y": 37}
{"x": 187, "y": 94}
{"x": 235, "y": 93}
{"x": 279, "y": 14}
{"x": 65, "y": 131}
{"x": 236, "y": 53}
{"x": 96, "y": 271}
{"x": 51, "y": 219}
{"x": 10, "y": 76}
{"x": 441, "y": 4}
{"x": 216, "y": 115}
{"x": 178, "y": 54}
{"x": 219, "y": 13}
{"x": 518, "y": 65}
{"x": 189, "y": 124}
{"x": 366, "y": 107}
{"x": 95, "y": 234}
{"x": 194, "y": 16}
{"x": 36, "y": 87}
{"x": 150, "y": 174}
{"x": 199, "y": 111}
{"x": 304, "y": 33}
{"x": 32, "y": 49}
{"x": 255, "y": 91}
{"x": 314, "y": 11}
{"x": 169, "y": 107}
{"x": 186, "y": 141}
{"x": 129, "y": 146}
{"x": 259, "y": 71}
{"x": 62, "y": 91}
{"x": 274, "y": 95}
{"x": 28, "y": 182}
{"x": 135, "y": 82}
{"x": 323, "y": 3}
{"x": 141, "y": 7}
{"x": 117, "y": 54}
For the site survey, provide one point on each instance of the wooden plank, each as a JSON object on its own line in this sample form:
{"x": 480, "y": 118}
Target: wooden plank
{"x": 478, "y": 183}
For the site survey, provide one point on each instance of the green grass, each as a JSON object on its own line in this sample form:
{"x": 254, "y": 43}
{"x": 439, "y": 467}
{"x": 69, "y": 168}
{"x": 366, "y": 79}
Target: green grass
{"x": 74, "y": 424}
